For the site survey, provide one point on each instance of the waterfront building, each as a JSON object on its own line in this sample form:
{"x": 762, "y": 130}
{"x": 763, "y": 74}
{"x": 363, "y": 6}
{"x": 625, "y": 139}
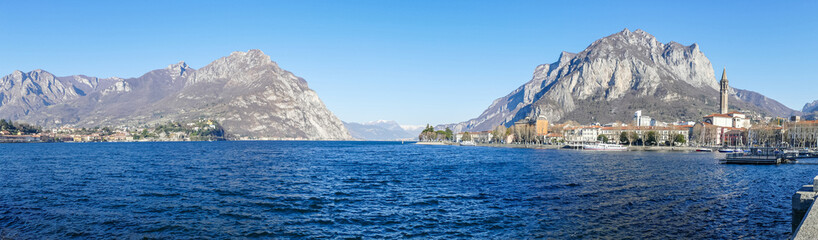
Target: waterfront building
{"x": 715, "y": 129}
{"x": 478, "y": 137}
{"x": 735, "y": 137}
{"x": 20, "y": 138}
{"x": 802, "y": 134}
{"x": 541, "y": 126}
{"x": 530, "y": 130}
{"x": 683, "y": 123}
{"x": 712, "y": 134}
{"x": 731, "y": 119}
{"x": 766, "y": 135}
{"x": 721, "y": 120}
{"x": 582, "y": 134}
{"x": 663, "y": 133}
{"x": 740, "y": 120}
{"x": 554, "y": 137}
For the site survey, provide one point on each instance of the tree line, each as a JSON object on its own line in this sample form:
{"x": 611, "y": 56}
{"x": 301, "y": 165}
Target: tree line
{"x": 429, "y": 134}
{"x": 650, "y": 138}
{"x": 18, "y": 128}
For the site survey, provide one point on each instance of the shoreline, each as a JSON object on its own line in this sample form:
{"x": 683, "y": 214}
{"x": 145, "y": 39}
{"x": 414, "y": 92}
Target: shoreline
{"x": 542, "y": 146}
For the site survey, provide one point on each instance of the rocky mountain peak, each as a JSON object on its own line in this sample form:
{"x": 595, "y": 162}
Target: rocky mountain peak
{"x": 178, "y": 69}
{"x": 626, "y": 38}
{"x": 240, "y": 68}
{"x": 40, "y": 74}
{"x": 810, "y": 107}
{"x": 611, "y": 78}
{"x": 566, "y": 56}
{"x": 179, "y": 65}
{"x": 253, "y": 57}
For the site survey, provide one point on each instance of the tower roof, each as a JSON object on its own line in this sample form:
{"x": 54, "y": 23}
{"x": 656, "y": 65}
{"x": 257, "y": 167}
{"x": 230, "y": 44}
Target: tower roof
{"x": 724, "y": 75}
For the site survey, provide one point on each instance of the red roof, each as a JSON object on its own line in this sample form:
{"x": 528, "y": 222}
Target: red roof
{"x": 718, "y": 115}
{"x": 645, "y": 128}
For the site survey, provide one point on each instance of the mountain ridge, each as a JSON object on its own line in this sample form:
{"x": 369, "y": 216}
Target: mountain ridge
{"x": 379, "y": 130}
{"x": 246, "y": 91}
{"x": 615, "y": 76}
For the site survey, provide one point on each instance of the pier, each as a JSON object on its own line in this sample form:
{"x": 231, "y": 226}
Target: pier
{"x": 765, "y": 156}
{"x": 804, "y": 214}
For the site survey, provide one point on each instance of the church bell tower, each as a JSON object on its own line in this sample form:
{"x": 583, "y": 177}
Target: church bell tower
{"x": 724, "y": 92}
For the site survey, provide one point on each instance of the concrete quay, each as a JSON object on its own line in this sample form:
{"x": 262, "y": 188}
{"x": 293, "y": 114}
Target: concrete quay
{"x": 804, "y": 212}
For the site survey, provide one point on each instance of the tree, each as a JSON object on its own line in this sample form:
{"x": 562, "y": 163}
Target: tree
{"x": 602, "y": 137}
{"x": 449, "y": 134}
{"x": 623, "y": 138}
{"x": 428, "y": 134}
{"x": 680, "y": 138}
{"x": 499, "y": 134}
{"x": 632, "y": 137}
{"x": 441, "y": 135}
{"x": 107, "y": 131}
{"x": 466, "y": 136}
{"x": 651, "y": 138}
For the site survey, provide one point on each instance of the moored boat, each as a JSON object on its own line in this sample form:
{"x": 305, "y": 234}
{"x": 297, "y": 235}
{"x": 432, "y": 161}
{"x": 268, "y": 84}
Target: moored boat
{"x": 468, "y": 143}
{"x": 731, "y": 150}
{"x": 704, "y": 150}
{"x": 605, "y": 147}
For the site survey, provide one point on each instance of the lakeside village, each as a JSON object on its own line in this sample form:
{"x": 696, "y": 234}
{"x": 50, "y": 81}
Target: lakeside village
{"x": 729, "y": 131}
{"x": 199, "y": 130}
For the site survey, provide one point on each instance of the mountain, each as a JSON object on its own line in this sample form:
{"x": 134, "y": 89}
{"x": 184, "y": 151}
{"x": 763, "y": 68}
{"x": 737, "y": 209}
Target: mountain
{"x": 810, "y": 110}
{"x": 771, "y": 106}
{"x": 616, "y": 76}
{"x": 247, "y": 92}
{"x": 810, "y": 107}
{"x": 379, "y": 130}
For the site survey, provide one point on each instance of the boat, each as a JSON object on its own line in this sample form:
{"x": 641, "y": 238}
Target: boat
{"x": 704, "y": 150}
{"x": 468, "y": 143}
{"x": 605, "y": 147}
{"x": 732, "y": 150}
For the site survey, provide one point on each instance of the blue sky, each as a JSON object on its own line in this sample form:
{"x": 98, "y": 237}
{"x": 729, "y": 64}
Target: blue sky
{"x": 416, "y": 62}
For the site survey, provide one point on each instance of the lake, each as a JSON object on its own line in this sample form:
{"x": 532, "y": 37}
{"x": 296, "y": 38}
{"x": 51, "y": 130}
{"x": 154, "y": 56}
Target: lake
{"x": 287, "y": 189}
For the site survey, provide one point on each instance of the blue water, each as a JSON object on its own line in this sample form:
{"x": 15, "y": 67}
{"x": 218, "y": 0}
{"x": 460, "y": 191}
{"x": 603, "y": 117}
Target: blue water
{"x": 384, "y": 190}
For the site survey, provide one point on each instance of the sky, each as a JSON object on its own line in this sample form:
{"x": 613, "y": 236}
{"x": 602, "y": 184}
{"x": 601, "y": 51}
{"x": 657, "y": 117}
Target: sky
{"x": 415, "y": 62}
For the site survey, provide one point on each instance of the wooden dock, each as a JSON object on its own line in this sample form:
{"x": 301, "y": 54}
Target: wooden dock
{"x": 737, "y": 158}
{"x": 764, "y": 156}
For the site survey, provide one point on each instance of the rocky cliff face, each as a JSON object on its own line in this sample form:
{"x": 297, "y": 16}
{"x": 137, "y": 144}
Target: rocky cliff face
{"x": 247, "y": 92}
{"x": 615, "y": 76}
{"x": 810, "y": 107}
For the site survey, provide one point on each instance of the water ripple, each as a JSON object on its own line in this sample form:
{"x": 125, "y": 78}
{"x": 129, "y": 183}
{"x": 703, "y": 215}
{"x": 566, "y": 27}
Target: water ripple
{"x": 357, "y": 190}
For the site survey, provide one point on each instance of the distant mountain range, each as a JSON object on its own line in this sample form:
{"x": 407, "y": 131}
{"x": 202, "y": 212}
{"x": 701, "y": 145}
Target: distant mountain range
{"x": 616, "y": 76}
{"x": 246, "y": 91}
{"x": 380, "y": 130}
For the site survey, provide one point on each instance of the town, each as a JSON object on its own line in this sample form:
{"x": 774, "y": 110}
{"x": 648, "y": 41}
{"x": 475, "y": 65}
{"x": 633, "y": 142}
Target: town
{"x": 200, "y": 130}
{"x": 729, "y": 129}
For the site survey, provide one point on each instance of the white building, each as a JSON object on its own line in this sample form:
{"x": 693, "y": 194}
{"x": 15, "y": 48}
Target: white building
{"x": 663, "y": 133}
{"x": 732, "y": 119}
{"x": 639, "y": 120}
{"x": 582, "y": 133}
